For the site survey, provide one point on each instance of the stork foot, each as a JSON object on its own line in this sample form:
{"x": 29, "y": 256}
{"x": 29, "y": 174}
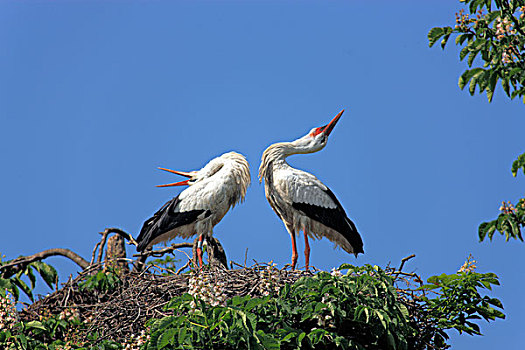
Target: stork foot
{"x": 294, "y": 261}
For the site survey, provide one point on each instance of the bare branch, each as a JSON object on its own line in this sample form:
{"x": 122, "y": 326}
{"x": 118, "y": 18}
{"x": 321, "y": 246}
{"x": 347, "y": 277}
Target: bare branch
{"x": 161, "y": 252}
{"x": 405, "y": 260}
{"x": 94, "y": 253}
{"x": 122, "y": 233}
{"x": 139, "y": 263}
{"x": 184, "y": 267}
{"x": 102, "y": 244}
{"x": 18, "y": 264}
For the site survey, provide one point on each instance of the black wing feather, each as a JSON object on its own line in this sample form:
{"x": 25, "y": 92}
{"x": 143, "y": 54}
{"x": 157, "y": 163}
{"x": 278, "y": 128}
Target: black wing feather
{"x": 164, "y": 220}
{"x": 335, "y": 219}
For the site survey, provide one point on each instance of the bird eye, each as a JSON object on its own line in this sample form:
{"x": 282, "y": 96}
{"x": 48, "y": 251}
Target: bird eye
{"x": 316, "y": 131}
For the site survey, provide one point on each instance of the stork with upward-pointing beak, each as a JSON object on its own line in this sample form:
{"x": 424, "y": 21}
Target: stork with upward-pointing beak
{"x": 221, "y": 184}
{"x": 302, "y": 201}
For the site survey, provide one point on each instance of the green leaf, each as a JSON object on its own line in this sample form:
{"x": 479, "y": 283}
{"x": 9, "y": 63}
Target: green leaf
{"x": 300, "y": 338}
{"x": 4, "y": 284}
{"x": 467, "y": 76}
{"x": 268, "y": 342}
{"x": 23, "y": 340}
{"x": 506, "y": 86}
{"x": 493, "y": 80}
{"x": 285, "y": 291}
{"x": 316, "y": 335}
{"x": 253, "y": 303}
{"x": 460, "y": 39}
{"x": 25, "y": 288}
{"x": 30, "y": 274}
{"x": 434, "y": 34}
{"x": 14, "y": 290}
{"x": 346, "y": 266}
{"x": 445, "y": 40}
{"x": 495, "y": 302}
{"x": 463, "y": 53}
{"x": 166, "y": 337}
{"x": 518, "y": 164}
{"x": 476, "y": 73}
{"x": 381, "y": 319}
{"x": 486, "y": 228}
{"x": 47, "y": 272}
{"x": 35, "y": 325}
{"x": 472, "y": 55}
{"x": 482, "y": 80}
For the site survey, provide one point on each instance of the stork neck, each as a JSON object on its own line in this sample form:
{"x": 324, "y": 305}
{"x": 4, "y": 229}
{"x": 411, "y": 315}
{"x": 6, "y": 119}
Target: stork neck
{"x": 275, "y": 157}
{"x": 280, "y": 151}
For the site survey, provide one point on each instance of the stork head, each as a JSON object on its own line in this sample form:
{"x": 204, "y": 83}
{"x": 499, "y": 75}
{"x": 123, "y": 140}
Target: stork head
{"x": 317, "y": 138}
{"x": 192, "y": 175}
{"x": 206, "y": 172}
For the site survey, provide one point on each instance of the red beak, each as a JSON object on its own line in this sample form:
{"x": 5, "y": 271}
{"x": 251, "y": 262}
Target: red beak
{"x": 183, "y": 173}
{"x": 180, "y": 183}
{"x": 328, "y": 129}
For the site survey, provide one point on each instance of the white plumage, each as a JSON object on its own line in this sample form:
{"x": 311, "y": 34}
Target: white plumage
{"x": 301, "y": 200}
{"x": 212, "y": 191}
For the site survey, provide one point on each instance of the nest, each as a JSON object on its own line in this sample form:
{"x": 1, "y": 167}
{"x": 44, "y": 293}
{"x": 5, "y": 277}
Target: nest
{"x": 122, "y": 313}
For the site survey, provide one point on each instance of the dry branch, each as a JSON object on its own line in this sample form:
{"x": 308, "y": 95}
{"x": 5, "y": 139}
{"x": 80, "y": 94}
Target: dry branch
{"x": 161, "y": 252}
{"x": 18, "y": 264}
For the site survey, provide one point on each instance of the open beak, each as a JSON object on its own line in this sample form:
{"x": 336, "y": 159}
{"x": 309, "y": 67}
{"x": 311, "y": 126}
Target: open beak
{"x": 180, "y": 183}
{"x": 328, "y": 128}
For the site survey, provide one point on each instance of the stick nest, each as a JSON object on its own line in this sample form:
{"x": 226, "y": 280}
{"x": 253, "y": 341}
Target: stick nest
{"x": 123, "y": 312}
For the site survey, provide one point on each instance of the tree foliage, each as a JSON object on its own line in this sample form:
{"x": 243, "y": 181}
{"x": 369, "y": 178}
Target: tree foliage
{"x": 359, "y": 310}
{"x": 366, "y": 308}
{"x": 512, "y": 217}
{"x": 491, "y": 34}
{"x": 492, "y": 39}
{"x": 13, "y": 282}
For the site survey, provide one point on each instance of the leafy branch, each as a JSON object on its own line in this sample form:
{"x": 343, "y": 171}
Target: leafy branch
{"x": 11, "y": 279}
{"x": 358, "y": 310}
{"x": 511, "y": 220}
{"x": 493, "y": 32}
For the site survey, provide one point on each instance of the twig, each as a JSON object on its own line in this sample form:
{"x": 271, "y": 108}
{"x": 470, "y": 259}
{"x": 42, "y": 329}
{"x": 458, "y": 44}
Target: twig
{"x": 405, "y": 260}
{"x": 184, "y": 267}
{"x": 239, "y": 265}
{"x": 103, "y": 241}
{"x": 160, "y": 268}
{"x": 94, "y": 253}
{"x": 105, "y": 233}
{"x": 161, "y": 252}
{"x": 123, "y": 233}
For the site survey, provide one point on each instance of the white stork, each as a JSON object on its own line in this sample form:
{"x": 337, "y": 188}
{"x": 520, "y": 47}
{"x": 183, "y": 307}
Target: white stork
{"x": 221, "y": 184}
{"x": 301, "y": 200}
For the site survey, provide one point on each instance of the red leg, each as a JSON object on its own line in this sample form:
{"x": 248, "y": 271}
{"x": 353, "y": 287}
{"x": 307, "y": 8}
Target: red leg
{"x": 199, "y": 250}
{"x": 294, "y": 251}
{"x": 306, "y": 251}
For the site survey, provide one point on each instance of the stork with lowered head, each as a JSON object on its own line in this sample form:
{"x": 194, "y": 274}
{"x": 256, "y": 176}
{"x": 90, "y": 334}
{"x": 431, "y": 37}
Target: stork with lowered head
{"x": 212, "y": 191}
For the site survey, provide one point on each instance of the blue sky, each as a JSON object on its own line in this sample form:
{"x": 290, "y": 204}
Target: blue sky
{"x": 95, "y": 95}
